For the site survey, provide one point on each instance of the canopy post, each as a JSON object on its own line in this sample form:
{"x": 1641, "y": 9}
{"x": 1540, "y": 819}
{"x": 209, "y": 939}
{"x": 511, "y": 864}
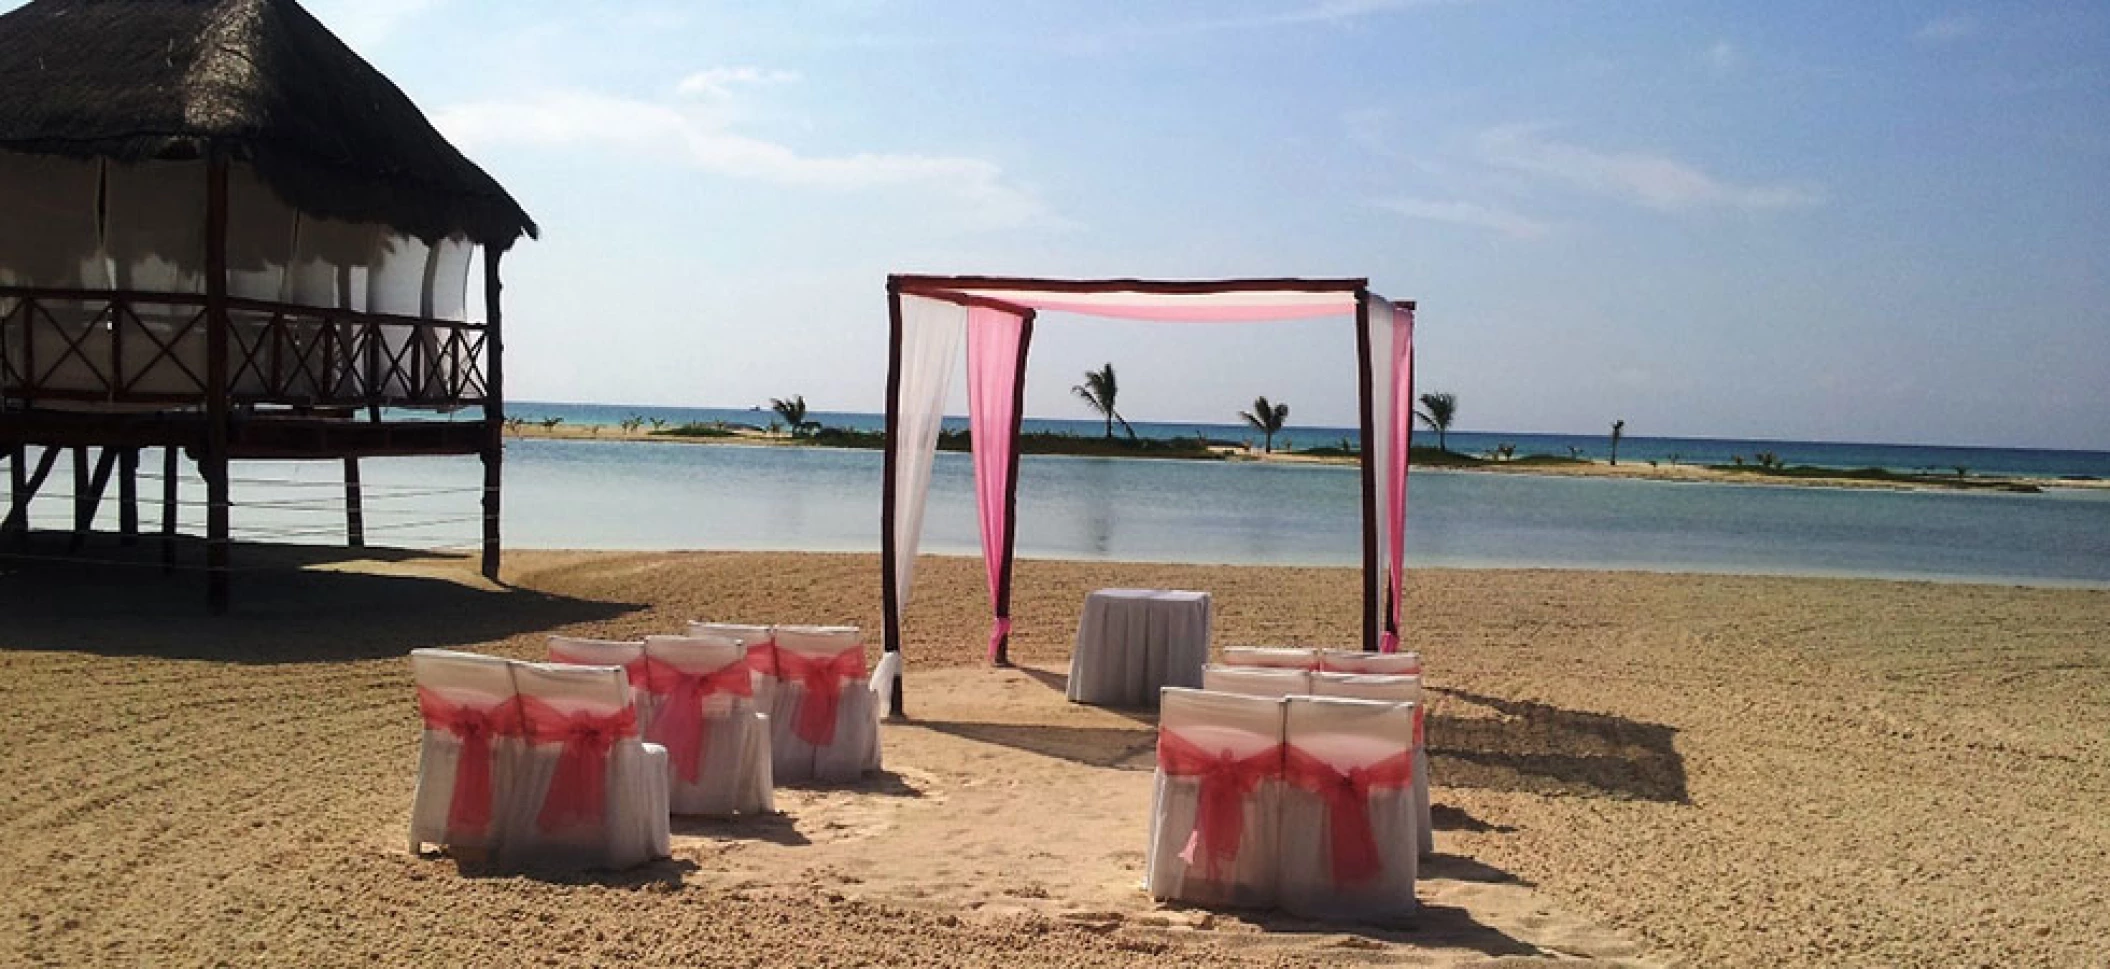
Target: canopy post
{"x": 889, "y": 545}
{"x": 1018, "y": 422}
{"x": 213, "y": 461}
{"x": 494, "y": 410}
{"x": 1365, "y": 392}
{"x": 88, "y": 491}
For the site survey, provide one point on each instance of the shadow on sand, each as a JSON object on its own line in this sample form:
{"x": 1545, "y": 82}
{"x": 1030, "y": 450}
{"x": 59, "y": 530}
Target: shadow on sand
{"x": 291, "y": 604}
{"x": 1540, "y": 749}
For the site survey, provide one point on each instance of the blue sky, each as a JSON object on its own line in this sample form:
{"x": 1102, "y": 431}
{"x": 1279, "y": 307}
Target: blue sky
{"x": 1846, "y": 221}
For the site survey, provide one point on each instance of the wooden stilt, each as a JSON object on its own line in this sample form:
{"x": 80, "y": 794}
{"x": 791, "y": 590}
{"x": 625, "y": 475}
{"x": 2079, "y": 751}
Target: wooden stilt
{"x": 18, "y": 509}
{"x": 88, "y": 491}
{"x": 168, "y": 508}
{"x": 494, "y": 411}
{"x": 354, "y": 512}
{"x": 17, "y": 476}
{"x": 213, "y": 460}
{"x": 128, "y": 496}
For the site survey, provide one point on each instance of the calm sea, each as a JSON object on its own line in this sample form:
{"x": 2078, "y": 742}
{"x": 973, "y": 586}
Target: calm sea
{"x": 654, "y": 495}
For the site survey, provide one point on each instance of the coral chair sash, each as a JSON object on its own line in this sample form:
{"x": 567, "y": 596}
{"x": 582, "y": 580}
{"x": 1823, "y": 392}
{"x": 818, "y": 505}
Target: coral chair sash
{"x": 470, "y": 808}
{"x": 1347, "y": 796}
{"x": 823, "y": 677}
{"x": 578, "y": 791}
{"x": 1226, "y": 781}
{"x": 679, "y": 725}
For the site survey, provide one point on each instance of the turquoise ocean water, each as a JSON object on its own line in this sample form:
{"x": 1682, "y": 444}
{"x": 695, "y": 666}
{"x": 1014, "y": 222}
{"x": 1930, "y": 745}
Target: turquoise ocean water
{"x": 656, "y": 495}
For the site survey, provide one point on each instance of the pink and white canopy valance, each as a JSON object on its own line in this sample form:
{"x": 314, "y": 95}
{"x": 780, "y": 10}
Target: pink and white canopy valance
{"x": 932, "y": 317}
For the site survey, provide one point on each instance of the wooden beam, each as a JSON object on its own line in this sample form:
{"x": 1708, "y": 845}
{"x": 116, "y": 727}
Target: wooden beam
{"x": 1366, "y": 390}
{"x": 169, "y": 468}
{"x": 354, "y": 512}
{"x": 88, "y": 491}
{"x": 128, "y": 496}
{"x": 494, "y": 410}
{"x": 213, "y": 461}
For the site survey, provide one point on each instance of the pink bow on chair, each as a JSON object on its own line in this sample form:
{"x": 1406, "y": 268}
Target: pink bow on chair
{"x": 1347, "y": 796}
{"x": 823, "y": 679}
{"x": 679, "y": 724}
{"x": 1226, "y": 781}
{"x": 470, "y": 808}
{"x": 578, "y": 793}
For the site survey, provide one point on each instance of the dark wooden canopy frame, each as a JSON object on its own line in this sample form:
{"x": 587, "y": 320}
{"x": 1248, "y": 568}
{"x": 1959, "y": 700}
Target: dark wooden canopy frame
{"x": 950, "y": 289}
{"x": 315, "y": 369}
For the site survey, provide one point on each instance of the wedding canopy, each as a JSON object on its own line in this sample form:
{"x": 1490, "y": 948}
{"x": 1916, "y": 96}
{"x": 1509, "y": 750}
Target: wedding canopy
{"x": 932, "y": 317}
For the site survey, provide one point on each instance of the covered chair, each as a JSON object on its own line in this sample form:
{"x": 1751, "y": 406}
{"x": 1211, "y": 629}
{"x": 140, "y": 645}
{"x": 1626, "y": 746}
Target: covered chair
{"x": 824, "y": 720}
{"x": 1213, "y": 834}
{"x": 1392, "y": 689}
{"x": 591, "y": 793}
{"x": 1256, "y": 680}
{"x": 761, "y": 645}
{"x": 626, "y": 653}
{"x": 469, "y": 755}
{"x": 1274, "y": 657}
{"x": 1347, "y": 848}
{"x": 717, "y": 742}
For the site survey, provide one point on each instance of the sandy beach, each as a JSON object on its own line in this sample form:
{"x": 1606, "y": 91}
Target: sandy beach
{"x": 1630, "y": 769}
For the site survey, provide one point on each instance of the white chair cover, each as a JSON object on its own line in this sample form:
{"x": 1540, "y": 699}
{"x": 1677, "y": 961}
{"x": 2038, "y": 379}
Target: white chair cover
{"x": 761, "y": 643}
{"x": 1133, "y": 642}
{"x": 1347, "y": 838}
{"x": 626, "y": 653}
{"x": 466, "y": 702}
{"x": 1256, "y": 680}
{"x": 1273, "y": 657}
{"x": 806, "y": 740}
{"x": 582, "y": 732}
{"x": 1357, "y": 661}
{"x": 1393, "y": 689}
{"x": 717, "y": 742}
{"x": 1230, "y": 860}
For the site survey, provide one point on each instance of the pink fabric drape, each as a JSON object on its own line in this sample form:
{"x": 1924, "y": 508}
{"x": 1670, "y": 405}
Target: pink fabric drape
{"x": 469, "y": 810}
{"x": 824, "y": 678}
{"x": 1347, "y": 795}
{"x": 679, "y": 725}
{"x": 993, "y": 338}
{"x": 1226, "y": 781}
{"x": 578, "y": 790}
{"x": 1400, "y": 425}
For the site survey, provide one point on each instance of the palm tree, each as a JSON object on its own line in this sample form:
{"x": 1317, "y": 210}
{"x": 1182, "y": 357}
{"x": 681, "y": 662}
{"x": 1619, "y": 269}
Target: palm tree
{"x": 793, "y": 412}
{"x": 1099, "y": 390}
{"x": 1267, "y": 419}
{"x": 1437, "y": 411}
{"x": 1618, "y": 431}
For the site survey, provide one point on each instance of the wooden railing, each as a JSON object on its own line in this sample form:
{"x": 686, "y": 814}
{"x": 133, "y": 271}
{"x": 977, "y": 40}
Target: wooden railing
{"x": 135, "y": 348}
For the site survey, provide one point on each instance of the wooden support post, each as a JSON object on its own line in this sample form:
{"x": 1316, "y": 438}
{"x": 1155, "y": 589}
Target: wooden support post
{"x": 354, "y": 513}
{"x": 169, "y": 468}
{"x": 1366, "y": 390}
{"x": 212, "y": 461}
{"x": 494, "y": 410}
{"x": 889, "y": 583}
{"x": 128, "y": 496}
{"x": 18, "y": 510}
{"x": 17, "y": 479}
{"x": 88, "y": 491}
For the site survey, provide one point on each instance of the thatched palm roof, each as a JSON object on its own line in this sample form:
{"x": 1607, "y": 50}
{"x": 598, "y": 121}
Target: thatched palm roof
{"x": 260, "y": 79}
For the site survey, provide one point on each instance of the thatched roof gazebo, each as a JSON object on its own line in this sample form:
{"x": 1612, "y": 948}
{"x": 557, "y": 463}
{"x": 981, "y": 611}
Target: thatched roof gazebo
{"x": 222, "y": 231}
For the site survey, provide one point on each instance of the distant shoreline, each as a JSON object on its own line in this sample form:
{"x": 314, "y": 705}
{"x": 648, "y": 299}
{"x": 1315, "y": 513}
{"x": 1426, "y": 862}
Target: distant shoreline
{"x": 1554, "y": 467}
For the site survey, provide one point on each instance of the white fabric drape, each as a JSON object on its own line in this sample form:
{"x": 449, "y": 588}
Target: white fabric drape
{"x": 933, "y": 333}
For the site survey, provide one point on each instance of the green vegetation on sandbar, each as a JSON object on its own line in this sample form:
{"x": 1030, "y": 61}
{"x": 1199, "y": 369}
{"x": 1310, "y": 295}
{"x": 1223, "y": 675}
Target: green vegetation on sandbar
{"x": 1036, "y": 442}
{"x": 1776, "y": 470}
{"x": 697, "y": 430}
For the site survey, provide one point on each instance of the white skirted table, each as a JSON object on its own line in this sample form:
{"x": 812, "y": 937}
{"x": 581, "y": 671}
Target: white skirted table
{"x": 1130, "y": 642}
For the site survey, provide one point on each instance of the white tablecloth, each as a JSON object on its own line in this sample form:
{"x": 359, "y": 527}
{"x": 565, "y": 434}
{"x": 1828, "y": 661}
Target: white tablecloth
{"x": 1130, "y": 642}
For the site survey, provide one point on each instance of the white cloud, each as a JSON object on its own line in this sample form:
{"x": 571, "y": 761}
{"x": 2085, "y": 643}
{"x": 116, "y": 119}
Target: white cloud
{"x": 975, "y": 185}
{"x": 1649, "y": 180}
{"x": 1468, "y": 213}
{"x": 718, "y": 82}
{"x": 1942, "y": 30}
